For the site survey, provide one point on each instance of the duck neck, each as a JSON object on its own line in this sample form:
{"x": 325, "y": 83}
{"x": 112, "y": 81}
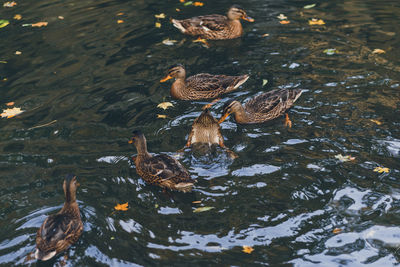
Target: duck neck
{"x": 241, "y": 116}
{"x": 236, "y": 27}
{"x": 178, "y": 87}
{"x": 141, "y": 148}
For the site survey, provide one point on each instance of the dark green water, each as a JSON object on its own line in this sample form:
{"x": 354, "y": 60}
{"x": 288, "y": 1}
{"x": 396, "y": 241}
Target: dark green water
{"x": 285, "y": 193}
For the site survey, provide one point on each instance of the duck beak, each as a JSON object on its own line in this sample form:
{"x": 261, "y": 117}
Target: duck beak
{"x": 245, "y": 17}
{"x": 223, "y": 118}
{"x": 166, "y": 78}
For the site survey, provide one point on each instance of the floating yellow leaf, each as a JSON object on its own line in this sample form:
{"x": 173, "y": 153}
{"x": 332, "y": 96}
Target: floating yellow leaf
{"x": 3, "y": 23}
{"x": 316, "y": 22}
{"x": 198, "y": 4}
{"x": 378, "y": 51}
{"x": 10, "y": 104}
{"x": 376, "y": 121}
{"x": 196, "y": 202}
{"x": 281, "y": 17}
{"x": 9, "y": 4}
{"x": 122, "y": 207}
{"x": 344, "y": 158}
{"x": 284, "y": 21}
{"x": 336, "y": 230}
{"x": 40, "y": 24}
{"x": 120, "y": 14}
{"x": 309, "y": 6}
{"x": 265, "y": 35}
{"x": 161, "y": 116}
{"x": 177, "y": 10}
{"x": 17, "y": 17}
{"x": 160, "y": 16}
{"x": 158, "y": 25}
{"x": 120, "y": 21}
{"x": 165, "y": 105}
{"x": 247, "y": 249}
{"x": 18, "y": 52}
{"x": 169, "y": 41}
{"x": 202, "y": 209}
{"x": 381, "y": 169}
{"x": 60, "y": 17}
{"x": 200, "y": 40}
{"x": 11, "y": 112}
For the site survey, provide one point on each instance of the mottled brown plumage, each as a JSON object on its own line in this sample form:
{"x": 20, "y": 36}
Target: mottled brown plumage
{"x": 215, "y": 27}
{"x": 201, "y": 86}
{"x": 262, "y": 108}
{"x": 161, "y": 170}
{"x": 60, "y": 230}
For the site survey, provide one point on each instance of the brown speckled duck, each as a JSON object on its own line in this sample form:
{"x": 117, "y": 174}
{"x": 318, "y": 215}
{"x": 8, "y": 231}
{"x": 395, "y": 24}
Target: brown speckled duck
{"x": 206, "y": 131}
{"x": 216, "y": 27}
{"x": 201, "y": 86}
{"x": 60, "y": 230}
{"x": 262, "y": 108}
{"x": 161, "y": 170}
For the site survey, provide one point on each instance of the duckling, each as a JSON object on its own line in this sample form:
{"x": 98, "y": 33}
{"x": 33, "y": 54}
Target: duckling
{"x": 215, "y": 27}
{"x": 201, "y": 86}
{"x": 206, "y": 131}
{"x": 161, "y": 170}
{"x": 61, "y": 230}
{"x": 262, "y": 108}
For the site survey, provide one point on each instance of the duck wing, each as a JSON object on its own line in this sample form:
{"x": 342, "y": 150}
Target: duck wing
{"x": 204, "y": 24}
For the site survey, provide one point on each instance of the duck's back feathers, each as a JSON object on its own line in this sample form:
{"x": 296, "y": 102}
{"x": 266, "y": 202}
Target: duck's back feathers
{"x": 209, "y": 26}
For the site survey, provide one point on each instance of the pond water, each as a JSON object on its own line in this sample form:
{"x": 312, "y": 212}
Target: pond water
{"x": 93, "y": 81}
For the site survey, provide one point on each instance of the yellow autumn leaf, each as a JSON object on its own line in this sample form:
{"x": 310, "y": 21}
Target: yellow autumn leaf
{"x": 316, "y": 22}
{"x": 120, "y": 14}
{"x": 60, "y": 17}
{"x": 120, "y": 21}
{"x": 284, "y": 21}
{"x": 9, "y": 4}
{"x": 336, "y": 230}
{"x": 40, "y": 24}
{"x": 282, "y": 17}
{"x": 344, "y": 158}
{"x": 158, "y": 25}
{"x": 381, "y": 170}
{"x": 378, "y": 51}
{"x": 265, "y": 35}
{"x": 376, "y": 121}
{"x": 11, "y": 112}
{"x": 169, "y": 41}
{"x": 18, "y": 52}
{"x": 247, "y": 249}
{"x": 160, "y": 16}
{"x": 10, "y": 104}
{"x": 182, "y": 1}
{"x": 165, "y": 105}
{"x": 17, "y": 17}
{"x": 198, "y": 4}
{"x": 160, "y": 116}
{"x": 196, "y": 202}
{"x": 122, "y": 207}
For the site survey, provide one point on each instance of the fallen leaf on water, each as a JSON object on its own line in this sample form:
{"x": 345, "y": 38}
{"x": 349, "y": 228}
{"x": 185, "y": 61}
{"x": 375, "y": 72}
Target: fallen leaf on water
{"x": 160, "y": 16}
{"x": 182, "y": 1}
{"x": 120, "y": 14}
{"x": 165, "y": 105}
{"x": 202, "y": 209}
{"x": 18, "y": 52}
{"x": 10, "y": 104}
{"x": 188, "y": 3}
{"x": 198, "y": 4}
{"x": 381, "y": 169}
{"x": 158, "y": 25}
{"x": 11, "y": 112}
{"x": 9, "y": 4}
{"x": 177, "y": 10}
{"x": 331, "y": 51}
{"x": 120, "y": 21}
{"x": 376, "y": 121}
{"x": 112, "y": 238}
{"x": 336, "y": 230}
{"x": 3, "y": 61}
{"x": 169, "y": 42}
{"x": 316, "y": 22}
{"x": 3, "y": 23}
{"x": 40, "y": 24}
{"x": 200, "y": 40}
{"x": 378, "y": 51}
{"x": 309, "y": 6}
{"x": 344, "y": 158}
{"x": 161, "y": 116}
{"x": 17, "y": 17}
{"x": 60, "y": 17}
{"x": 265, "y": 35}
{"x": 122, "y": 207}
{"x": 196, "y": 202}
{"x": 247, "y": 249}
{"x": 265, "y": 82}
{"x": 281, "y": 17}
{"x": 284, "y": 21}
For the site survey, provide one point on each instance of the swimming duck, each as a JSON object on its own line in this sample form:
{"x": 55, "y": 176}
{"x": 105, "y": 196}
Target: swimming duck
{"x": 201, "y": 86}
{"x": 206, "y": 131}
{"x": 216, "y": 27}
{"x": 61, "y": 230}
{"x": 161, "y": 170}
{"x": 262, "y": 108}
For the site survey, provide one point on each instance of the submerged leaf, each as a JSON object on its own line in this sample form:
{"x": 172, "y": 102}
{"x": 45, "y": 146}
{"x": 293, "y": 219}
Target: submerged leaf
{"x": 316, "y": 22}
{"x": 11, "y": 112}
{"x": 247, "y": 249}
{"x": 309, "y": 6}
{"x": 122, "y": 207}
{"x": 202, "y": 209}
{"x": 3, "y": 23}
{"x": 344, "y": 158}
{"x": 165, "y": 105}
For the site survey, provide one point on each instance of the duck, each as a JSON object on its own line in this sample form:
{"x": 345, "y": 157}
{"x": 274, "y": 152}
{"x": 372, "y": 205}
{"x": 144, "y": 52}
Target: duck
{"x": 161, "y": 170}
{"x": 60, "y": 230}
{"x": 207, "y": 131}
{"x": 262, "y": 108}
{"x": 215, "y": 27}
{"x": 201, "y": 86}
